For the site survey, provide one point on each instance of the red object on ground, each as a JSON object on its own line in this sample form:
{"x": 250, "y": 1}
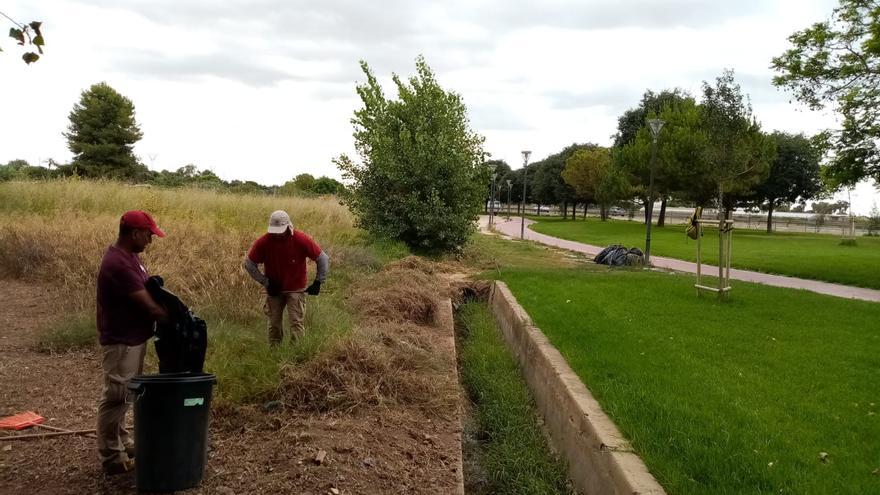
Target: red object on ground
{"x": 21, "y": 421}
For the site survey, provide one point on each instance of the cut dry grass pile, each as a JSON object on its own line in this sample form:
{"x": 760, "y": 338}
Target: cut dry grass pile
{"x": 388, "y": 364}
{"x": 393, "y": 357}
{"x": 407, "y": 290}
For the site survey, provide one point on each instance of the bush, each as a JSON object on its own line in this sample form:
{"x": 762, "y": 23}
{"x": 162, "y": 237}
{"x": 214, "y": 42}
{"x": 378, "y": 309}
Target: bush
{"x": 422, "y": 178}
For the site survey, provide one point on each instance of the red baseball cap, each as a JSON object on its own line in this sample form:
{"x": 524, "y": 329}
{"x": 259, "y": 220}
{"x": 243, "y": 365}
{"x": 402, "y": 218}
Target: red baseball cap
{"x": 141, "y": 220}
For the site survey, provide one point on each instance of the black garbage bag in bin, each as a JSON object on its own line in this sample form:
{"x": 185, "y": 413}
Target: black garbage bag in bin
{"x": 171, "y": 414}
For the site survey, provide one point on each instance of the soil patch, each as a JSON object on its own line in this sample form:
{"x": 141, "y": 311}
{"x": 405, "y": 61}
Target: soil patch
{"x": 388, "y": 443}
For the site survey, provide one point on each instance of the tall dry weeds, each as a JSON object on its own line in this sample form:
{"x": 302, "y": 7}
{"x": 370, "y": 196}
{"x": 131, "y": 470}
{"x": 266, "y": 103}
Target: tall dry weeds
{"x": 57, "y": 231}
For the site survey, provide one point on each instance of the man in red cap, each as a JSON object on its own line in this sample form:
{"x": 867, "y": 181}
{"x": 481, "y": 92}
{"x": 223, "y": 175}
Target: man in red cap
{"x": 126, "y": 317}
{"x": 284, "y": 253}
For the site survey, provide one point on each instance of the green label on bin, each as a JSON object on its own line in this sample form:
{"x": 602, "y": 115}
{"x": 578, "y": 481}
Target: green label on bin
{"x": 195, "y": 401}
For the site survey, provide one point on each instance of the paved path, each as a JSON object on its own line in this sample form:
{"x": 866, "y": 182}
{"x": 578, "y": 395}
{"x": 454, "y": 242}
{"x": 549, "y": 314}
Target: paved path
{"x": 512, "y": 229}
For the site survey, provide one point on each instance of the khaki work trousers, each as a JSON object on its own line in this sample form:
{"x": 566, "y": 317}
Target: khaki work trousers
{"x": 120, "y": 364}
{"x": 296, "y": 312}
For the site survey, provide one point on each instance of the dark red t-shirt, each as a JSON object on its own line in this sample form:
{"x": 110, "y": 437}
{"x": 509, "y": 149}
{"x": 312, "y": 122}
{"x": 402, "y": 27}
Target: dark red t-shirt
{"x": 285, "y": 258}
{"x": 120, "y": 319}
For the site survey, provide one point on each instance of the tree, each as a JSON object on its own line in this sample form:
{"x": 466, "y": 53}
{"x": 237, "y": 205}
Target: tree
{"x": 592, "y": 175}
{"x": 304, "y": 182}
{"x": 738, "y": 154}
{"x": 794, "y": 174}
{"x": 421, "y": 178}
{"x": 681, "y": 164}
{"x": 327, "y": 185}
{"x": 548, "y": 185}
{"x": 502, "y": 170}
{"x": 102, "y": 133}
{"x": 838, "y": 62}
{"x": 824, "y": 208}
{"x": 28, "y": 35}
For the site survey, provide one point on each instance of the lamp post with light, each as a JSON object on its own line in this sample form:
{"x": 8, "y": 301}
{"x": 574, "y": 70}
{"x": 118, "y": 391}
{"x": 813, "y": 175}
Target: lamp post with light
{"x": 509, "y": 182}
{"x": 655, "y": 126}
{"x": 522, "y": 225}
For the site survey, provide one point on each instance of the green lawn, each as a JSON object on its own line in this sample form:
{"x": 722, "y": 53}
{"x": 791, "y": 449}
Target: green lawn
{"x": 722, "y": 398}
{"x": 813, "y": 256}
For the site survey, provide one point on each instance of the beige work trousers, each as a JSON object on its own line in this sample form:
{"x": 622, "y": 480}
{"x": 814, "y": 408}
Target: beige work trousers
{"x": 296, "y": 312}
{"x": 120, "y": 364}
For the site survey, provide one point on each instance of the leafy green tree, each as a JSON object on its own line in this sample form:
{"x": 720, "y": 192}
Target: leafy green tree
{"x": 595, "y": 179}
{"x": 11, "y": 169}
{"x": 549, "y": 187}
{"x": 421, "y": 178}
{"x": 738, "y": 154}
{"x": 502, "y": 170}
{"x": 27, "y": 35}
{"x": 825, "y": 208}
{"x": 327, "y": 185}
{"x": 794, "y": 174}
{"x": 681, "y": 164}
{"x": 837, "y": 62}
{"x": 633, "y": 120}
{"x": 304, "y": 182}
{"x": 102, "y": 134}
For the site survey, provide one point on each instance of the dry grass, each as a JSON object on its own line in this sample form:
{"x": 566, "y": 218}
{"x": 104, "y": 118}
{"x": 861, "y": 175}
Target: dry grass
{"x": 57, "y": 232}
{"x": 387, "y": 364}
{"x": 393, "y": 356}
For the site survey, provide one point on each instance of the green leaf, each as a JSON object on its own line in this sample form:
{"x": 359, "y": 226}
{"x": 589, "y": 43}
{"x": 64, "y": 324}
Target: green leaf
{"x": 39, "y": 40}
{"x": 35, "y": 25}
{"x": 17, "y": 34}
{"x": 30, "y": 57}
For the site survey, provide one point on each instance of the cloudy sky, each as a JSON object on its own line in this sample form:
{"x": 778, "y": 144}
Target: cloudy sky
{"x": 264, "y": 89}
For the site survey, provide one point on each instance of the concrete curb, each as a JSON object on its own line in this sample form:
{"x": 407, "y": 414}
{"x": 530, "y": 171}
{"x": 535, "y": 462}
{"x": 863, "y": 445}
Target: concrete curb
{"x": 600, "y": 460}
{"x": 445, "y": 321}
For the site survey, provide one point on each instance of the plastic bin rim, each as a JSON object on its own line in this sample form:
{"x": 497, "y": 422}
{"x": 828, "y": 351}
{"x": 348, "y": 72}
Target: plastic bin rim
{"x": 175, "y": 378}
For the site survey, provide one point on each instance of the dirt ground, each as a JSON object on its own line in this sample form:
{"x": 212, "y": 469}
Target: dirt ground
{"x": 375, "y": 450}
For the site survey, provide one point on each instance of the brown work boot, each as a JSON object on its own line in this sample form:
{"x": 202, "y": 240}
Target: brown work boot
{"x": 121, "y": 466}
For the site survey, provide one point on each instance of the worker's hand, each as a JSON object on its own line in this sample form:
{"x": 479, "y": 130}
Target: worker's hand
{"x": 273, "y": 289}
{"x": 314, "y": 289}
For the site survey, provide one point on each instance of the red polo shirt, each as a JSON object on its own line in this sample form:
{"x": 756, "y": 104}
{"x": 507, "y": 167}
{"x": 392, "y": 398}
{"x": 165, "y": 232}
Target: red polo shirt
{"x": 120, "y": 319}
{"x": 285, "y": 258}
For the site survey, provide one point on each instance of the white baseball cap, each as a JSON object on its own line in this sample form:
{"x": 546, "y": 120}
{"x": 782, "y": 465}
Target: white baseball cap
{"x": 279, "y": 221}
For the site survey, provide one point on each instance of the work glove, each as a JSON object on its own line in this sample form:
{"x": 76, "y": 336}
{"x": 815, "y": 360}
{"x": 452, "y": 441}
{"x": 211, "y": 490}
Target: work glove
{"x": 273, "y": 289}
{"x": 314, "y": 289}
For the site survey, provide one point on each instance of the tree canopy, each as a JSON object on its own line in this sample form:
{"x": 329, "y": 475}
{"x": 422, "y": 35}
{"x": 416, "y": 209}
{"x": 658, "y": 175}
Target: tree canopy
{"x": 421, "y": 178}
{"x": 837, "y": 62}
{"x": 738, "y": 154}
{"x": 794, "y": 174}
{"x": 102, "y": 134}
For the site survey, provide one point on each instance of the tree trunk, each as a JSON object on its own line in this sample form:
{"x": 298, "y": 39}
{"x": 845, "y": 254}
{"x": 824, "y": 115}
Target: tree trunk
{"x": 586, "y": 205}
{"x": 603, "y": 212}
{"x": 645, "y": 204}
{"x": 565, "y": 210}
{"x": 661, "y": 220}
{"x": 770, "y": 217}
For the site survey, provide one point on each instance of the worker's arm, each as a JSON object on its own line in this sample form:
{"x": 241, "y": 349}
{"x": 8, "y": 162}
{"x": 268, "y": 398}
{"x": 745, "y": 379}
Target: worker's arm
{"x": 145, "y": 301}
{"x": 323, "y": 262}
{"x": 255, "y": 273}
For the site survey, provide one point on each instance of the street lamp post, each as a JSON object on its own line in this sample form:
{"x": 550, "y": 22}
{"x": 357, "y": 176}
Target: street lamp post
{"x": 655, "y": 125}
{"x": 509, "y": 182}
{"x": 522, "y": 224}
{"x": 492, "y": 202}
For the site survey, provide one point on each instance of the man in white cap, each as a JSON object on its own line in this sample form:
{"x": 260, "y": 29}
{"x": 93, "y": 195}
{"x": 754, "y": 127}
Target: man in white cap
{"x": 283, "y": 251}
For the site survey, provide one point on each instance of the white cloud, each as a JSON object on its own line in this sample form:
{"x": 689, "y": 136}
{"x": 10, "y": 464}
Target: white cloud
{"x": 264, "y": 89}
